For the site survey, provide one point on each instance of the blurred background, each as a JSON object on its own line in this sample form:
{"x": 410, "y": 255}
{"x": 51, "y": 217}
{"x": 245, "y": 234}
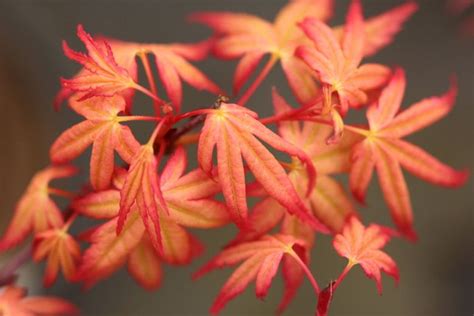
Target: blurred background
{"x": 436, "y": 272}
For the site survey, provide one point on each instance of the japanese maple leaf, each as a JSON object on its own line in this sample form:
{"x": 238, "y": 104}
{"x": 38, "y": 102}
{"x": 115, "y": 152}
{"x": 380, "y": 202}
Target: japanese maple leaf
{"x": 384, "y": 150}
{"x": 36, "y": 212}
{"x": 261, "y": 260}
{"x": 337, "y": 63}
{"x": 328, "y": 200}
{"x": 60, "y": 249}
{"x": 171, "y": 61}
{"x": 234, "y": 131}
{"x": 103, "y": 130}
{"x": 188, "y": 198}
{"x": 102, "y": 76}
{"x": 381, "y": 29}
{"x": 141, "y": 188}
{"x": 251, "y": 38}
{"x": 362, "y": 245}
{"x": 14, "y": 303}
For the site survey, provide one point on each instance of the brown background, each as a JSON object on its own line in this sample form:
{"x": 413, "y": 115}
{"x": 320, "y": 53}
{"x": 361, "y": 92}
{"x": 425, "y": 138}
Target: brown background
{"x": 436, "y": 273}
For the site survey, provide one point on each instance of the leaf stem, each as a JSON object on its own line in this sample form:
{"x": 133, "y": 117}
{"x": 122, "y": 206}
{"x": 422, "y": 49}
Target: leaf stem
{"x": 343, "y": 274}
{"x": 62, "y": 193}
{"x": 137, "y": 118}
{"x": 187, "y": 139}
{"x": 70, "y": 220}
{"x": 307, "y": 272}
{"x": 289, "y": 115}
{"x": 150, "y": 94}
{"x": 159, "y": 130}
{"x": 151, "y": 80}
{"x": 263, "y": 74}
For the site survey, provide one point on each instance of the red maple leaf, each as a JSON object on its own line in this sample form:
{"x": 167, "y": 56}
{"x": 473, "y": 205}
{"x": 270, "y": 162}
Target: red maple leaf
{"x": 261, "y": 260}
{"x": 384, "y": 150}
{"x": 234, "y": 131}
{"x": 337, "y": 63}
{"x": 102, "y": 76}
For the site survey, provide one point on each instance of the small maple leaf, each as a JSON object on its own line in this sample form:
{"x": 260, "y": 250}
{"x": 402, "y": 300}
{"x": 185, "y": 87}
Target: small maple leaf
{"x": 234, "y": 131}
{"x": 383, "y": 150}
{"x": 337, "y": 63}
{"x": 141, "y": 187}
{"x": 102, "y": 76}
{"x": 361, "y": 245}
{"x": 14, "y": 303}
{"x": 261, "y": 261}
{"x": 61, "y": 250}
{"x": 103, "y": 130}
{"x": 36, "y": 212}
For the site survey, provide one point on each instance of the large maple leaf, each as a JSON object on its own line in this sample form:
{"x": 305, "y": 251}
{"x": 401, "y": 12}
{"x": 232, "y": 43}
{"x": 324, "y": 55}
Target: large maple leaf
{"x": 251, "y": 38}
{"x": 337, "y": 63}
{"x": 36, "y": 212}
{"x": 384, "y": 150}
{"x": 103, "y": 130}
{"x": 188, "y": 198}
{"x": 14, "y": 303}
{"x": 261, "y": 260}
{"x": 234, "y": 131}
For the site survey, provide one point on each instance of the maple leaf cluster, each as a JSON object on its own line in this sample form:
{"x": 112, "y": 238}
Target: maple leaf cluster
{"x": 146, "y": 201}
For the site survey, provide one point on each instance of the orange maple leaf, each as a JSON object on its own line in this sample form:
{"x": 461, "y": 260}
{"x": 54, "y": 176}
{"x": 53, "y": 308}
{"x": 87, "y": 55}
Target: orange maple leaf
{"x": 383, "y": 150}
{"x": 103, "y": 130}
{"x": 61, "y": 250}
{"x": 14, "y": 303}
{"x": 361, "y": 245}
{"x": 234, "y": 131}
{"x": 102, "y": 76}
{"x": 261, "y": 261}
{"x": 337, "y": 63}
{"x": 36, "y": 212}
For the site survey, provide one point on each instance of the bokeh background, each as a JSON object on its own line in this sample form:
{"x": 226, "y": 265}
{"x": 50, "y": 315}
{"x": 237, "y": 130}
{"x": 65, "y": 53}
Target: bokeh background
{"x": 436, "y": 272}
